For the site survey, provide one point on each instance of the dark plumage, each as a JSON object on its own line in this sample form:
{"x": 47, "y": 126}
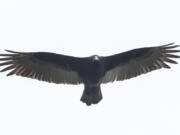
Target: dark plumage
{"x": 91, "y": 71}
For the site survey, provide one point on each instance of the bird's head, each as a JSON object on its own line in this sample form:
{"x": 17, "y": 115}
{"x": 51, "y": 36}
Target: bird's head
{"x": 95, "y": 58}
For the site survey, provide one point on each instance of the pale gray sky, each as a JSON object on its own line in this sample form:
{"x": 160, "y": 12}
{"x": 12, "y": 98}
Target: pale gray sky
{"x": 146, "y": 105}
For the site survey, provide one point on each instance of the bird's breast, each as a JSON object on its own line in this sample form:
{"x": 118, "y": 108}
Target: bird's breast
{"x": 93, "y": 73}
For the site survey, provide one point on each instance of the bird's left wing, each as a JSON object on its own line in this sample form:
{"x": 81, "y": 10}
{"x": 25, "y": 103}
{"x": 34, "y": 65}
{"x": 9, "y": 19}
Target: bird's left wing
{"x": 138, "y": 61}
{"x": 44, "y": 66}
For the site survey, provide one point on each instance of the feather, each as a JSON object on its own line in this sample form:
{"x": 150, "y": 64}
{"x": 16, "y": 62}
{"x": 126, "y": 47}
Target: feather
{"x": 167, "y": 45}
{"x": 6, "y": 63}
{"x": 171, "y": 51}
{"x": 4, "y": 59}
{"x": 171, "y": 55}
{"x": 7, "y": 68}
{"x": 170, "y": 61}
{"x": 166, "y": 66}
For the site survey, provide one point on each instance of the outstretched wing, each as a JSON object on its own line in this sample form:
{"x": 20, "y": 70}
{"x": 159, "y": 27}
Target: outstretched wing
{"x": 43, "y": 66}
{"x": 138, "y": 61}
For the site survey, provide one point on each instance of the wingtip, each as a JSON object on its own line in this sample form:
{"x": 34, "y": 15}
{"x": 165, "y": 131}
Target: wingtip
{"x": 172, "y": 43}
{"x": 14, "y": 52}
{"x": 10, "y": 51}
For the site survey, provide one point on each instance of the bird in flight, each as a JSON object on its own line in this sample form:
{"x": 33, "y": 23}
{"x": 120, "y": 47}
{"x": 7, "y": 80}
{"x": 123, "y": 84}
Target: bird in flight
{"x": 90, "y": 71}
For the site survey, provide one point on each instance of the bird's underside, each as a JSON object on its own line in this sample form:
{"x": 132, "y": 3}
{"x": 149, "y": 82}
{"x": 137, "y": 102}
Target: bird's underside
{"x": 90, "y": 71}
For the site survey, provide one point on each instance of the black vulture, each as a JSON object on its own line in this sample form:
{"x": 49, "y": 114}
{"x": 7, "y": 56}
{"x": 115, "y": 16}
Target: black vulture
{"x": 90, "y": 71}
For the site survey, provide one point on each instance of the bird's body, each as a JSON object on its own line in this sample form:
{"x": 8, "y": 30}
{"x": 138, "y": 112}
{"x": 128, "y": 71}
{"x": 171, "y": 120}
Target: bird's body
{"x": 91, "y": 71}
{"x": 92, "y": 78}
{"x": 95, "y": 71}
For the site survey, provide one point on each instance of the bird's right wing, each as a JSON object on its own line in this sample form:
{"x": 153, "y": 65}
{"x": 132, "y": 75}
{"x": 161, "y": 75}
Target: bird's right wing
{"x": 43, "y": 66}
{"x": 138, "y": 61}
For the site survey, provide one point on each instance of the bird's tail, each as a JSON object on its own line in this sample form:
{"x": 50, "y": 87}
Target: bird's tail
{"x": 91, "y": 95}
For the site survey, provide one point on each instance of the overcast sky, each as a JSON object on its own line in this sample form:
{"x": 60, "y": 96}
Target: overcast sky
{"x": 146, "y": 105}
